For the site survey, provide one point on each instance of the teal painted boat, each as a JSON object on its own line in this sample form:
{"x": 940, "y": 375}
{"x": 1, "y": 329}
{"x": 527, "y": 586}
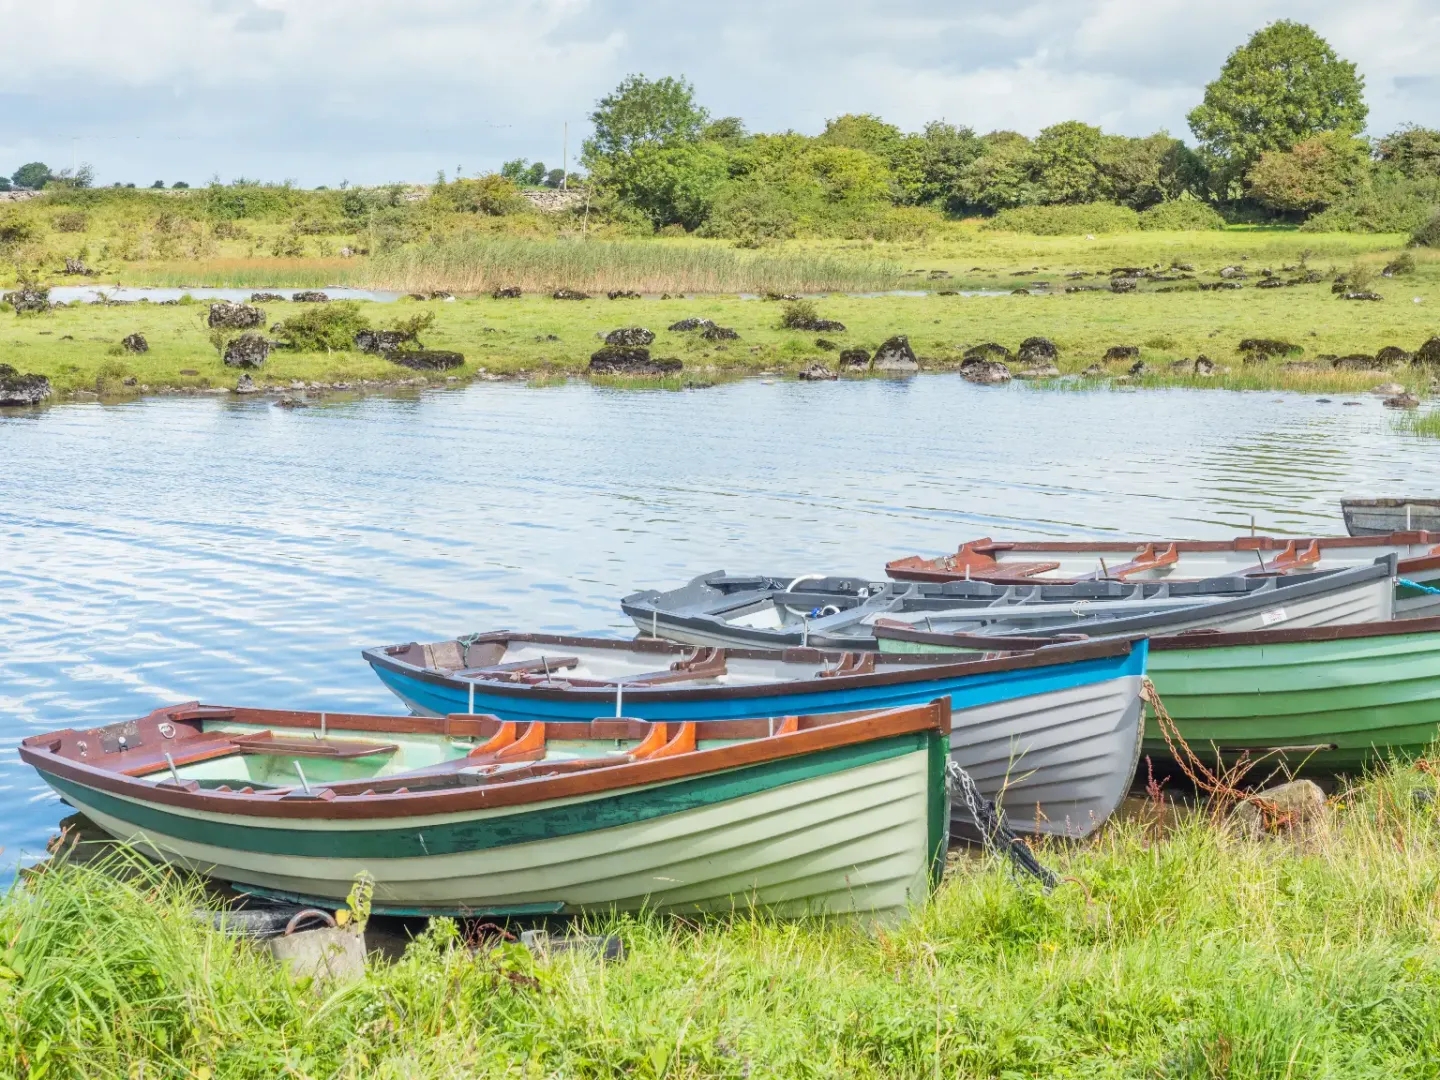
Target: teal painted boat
{"x": 1329, "y": 698}
{"x": 842, "y": 814}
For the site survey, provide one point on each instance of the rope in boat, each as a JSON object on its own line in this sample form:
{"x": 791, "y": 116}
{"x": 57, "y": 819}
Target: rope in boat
{"x": 1407, "y": 583}
{"x": 1197, "y": 772}
{"x": 995, "y": 833}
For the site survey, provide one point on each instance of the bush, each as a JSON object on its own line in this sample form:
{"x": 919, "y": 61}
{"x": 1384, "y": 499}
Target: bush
{"x": 493, "y": 194}
{"x": 1181, "y": 215}
{"x": 1393, "y": 206}
{"x": 16, "y": 228}
{"x": 1075, "y": 220}
{"x": 324, "y": 328}
{"x": 1428, "y": 234}
{"x": 71, "y": 221}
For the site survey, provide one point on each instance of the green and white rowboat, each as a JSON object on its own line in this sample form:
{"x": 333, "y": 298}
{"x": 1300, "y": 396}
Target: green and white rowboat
{"x": 1326, "y": 698}
{"x": 843, "y": 814}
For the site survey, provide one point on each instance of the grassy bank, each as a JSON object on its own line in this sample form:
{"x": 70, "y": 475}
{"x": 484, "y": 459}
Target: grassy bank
{"x": 1184, "y": 952}
{"x": 78, "y": 347}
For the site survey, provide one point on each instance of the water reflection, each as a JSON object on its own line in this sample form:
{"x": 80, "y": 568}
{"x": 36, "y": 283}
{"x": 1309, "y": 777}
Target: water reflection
{"x": 237, "y": 552}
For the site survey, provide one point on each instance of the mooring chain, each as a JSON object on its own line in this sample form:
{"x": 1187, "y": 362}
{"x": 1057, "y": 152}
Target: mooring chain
{"x": 990, "y": 820}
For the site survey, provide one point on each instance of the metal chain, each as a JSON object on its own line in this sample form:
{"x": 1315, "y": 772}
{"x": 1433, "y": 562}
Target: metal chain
{"x": 995, "y": 834}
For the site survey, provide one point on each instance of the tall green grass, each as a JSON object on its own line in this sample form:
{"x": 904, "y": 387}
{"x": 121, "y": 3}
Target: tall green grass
{"x": 1424, "y": 424}
{"x": 483, "y": 263}
{"x": 1178, "y": 952}
{"x": 249, "y": 273}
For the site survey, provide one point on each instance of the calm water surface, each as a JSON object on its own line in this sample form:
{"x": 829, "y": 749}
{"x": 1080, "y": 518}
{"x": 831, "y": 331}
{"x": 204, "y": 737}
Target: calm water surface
{"x": 238, "y": 553}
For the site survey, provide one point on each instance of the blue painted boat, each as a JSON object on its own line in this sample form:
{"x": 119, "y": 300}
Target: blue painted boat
{"x": 1052, "y": 734}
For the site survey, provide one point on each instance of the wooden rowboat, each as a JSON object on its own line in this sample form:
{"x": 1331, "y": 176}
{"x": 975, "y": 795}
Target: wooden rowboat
{"x": 1376, "y": 517}
{"x": 1067, "y": 561}
{"x": 1332, "y": 698}
{"x": 472, "y": 815}
{"x": 1052, "y": 735}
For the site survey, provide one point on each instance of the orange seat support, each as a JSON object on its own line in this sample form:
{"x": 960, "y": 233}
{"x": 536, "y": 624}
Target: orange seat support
{"x": 654, "y": 740}
{"x": 682, "y": 743}
{"x": 530, "y": 746}
{"x": 497, "y": 742}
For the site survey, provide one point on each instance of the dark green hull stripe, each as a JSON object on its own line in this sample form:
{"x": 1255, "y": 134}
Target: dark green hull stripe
{"x": 611, "y": 811}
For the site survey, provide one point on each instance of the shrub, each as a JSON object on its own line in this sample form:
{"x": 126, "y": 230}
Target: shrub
{"x": 1066, "y": 220}
{"x": 493, "y": 194}
{"x": 71, "y": 221}
{"x": 752, "y": 214}
{"x": 1181, "y": 215}
{"x": 16, "y": 228}
{"x": 324, "y": 328}
{"x": 1428, "y": 234}
{"x": 1386, "y": 206}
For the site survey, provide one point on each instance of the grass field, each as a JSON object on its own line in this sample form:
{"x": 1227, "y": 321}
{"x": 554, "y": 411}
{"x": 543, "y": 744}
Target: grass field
{"x": 1181, "y": 951}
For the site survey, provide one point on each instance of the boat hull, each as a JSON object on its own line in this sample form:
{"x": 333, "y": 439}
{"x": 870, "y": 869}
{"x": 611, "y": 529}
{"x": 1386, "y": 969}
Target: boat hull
{"x": 1378, "y": 517}
{"x": 1328, "y": 701}
{"x": 855, "y": 830}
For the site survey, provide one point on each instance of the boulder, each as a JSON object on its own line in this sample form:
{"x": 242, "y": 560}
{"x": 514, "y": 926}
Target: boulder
{"x": 28, "y": 299}
{"x": 816, "y": 373}
{"x": 718, "y": 333}
{"x": 310, "y": 297}
{"x": 630, "y": 360}
{"x": 1117, "y": 353}
{"x": 1273, "y": 283}
{"x": 1123, "y": 285}
{"x": 78, "y": 267}
{"x": 1387, "y": 389}
{"x": 382, "y": 342}
{"x": 1265, "y": 348}
{"x": 1358, "y": 362}
{"x": 895, "y": 354}
{"x": 826, "y": 344}
{"x": 428, "y": 359}
{"x": 852, "y": 359}
{"x": 1094, "y": 371}
{"x": 1033, "y": 350}
{"x": 1295, "y": 806}
{"x": 135, "y": 343}
{"x": 1138, "y": 369}
{"x": 267, "y": 298}
{"x": 1393, "y": 356}
{"x": 247, "y": 351}
{"x": 1427, "y": 355}
{"x": 1231, "y": 272}
{"x": 1204, "y": 366}
{"x": 988, "y": 350}
{"x": 17, "y": 389}
{"x": 227, "y": 316}
{"x": 569, "y": 294}
{"x": 1361, "y": 295}
{"x": 246, "y": 385}
{"x": 985, "y": 371}
{"x": 1402, "y": 401}
{"x": 507, "y": 292}
{"x": 691, "y": 324}
{"x": 630, "y": 335}
{"x": 622, "y": 294}
{"x": 1019, "y": 292}
{"x": 1127, "y": 271}
{"x": 827, "y": 326}
{"x": 1211, "y": 286}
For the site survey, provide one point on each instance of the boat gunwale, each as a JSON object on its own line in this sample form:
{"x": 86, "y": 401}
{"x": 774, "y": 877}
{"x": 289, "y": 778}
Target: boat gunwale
{"x": 855, "y": 730}
{"x": 926, "y": 669}
{"x": 1205, "y": 640}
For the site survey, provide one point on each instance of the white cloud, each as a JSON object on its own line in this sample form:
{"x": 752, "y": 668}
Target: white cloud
{"x": 369, "y": 90}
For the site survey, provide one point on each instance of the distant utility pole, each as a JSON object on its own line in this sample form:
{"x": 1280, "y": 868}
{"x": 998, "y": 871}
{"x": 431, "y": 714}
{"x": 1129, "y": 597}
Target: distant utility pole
{"x": 564, "y": 154}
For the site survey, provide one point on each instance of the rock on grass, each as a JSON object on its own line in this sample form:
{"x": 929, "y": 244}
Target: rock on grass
{"x": 247, "y": 351}
{"x": 895, "y": 354}
{"x": 630, "y": 336}
{"x": 135, "y": 343}
{"x": 428, "y": 359}
{"x": 225, "y": 315}
{"x": 17, "y": 389}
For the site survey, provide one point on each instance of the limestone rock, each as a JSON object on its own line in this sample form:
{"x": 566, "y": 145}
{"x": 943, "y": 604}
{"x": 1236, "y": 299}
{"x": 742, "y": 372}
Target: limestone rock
{"x": 691, "y": 324}
{"x": 1358, "y": 362}
{"x": 631, "y": 360}
{"x": 1427, "y": 355}
{"x": 1204, "y": 366}
{"x": 28, "y": 299}
{"x": 854, "y": 359}
{"x": 719, "y": 333}
{"x": 310, "y": 298}
{"x": 227, "y": 316}
{"x": 1361, "y": 295}
{"x": 1393, "y": 356}
{"x": 135, "y": 343}
{"x": 428, "y": 359}
{"x": 267, "y": 298}
{"x": 1123, "y": 285}
{"x": 1122, "y": 352}
{"x": 816, "y": 373}
{"x": 507, "y": 292}
{"x": 622, "y": 294}
{"x": 988, "y": 350}
{"x": 1265, "y": 348}
{"x": 382, "y": 342}
{"x": 77, "y": 267}
{"x": 1293, "y": 806}
{"x": 17, "y": 389}
{"x": 246, "y": 385}
{"x": 569, "y": 294}
{"x": 247, "y": 351}
{"x": 986, "y": 372}
{"x": 895, "y": 354}
{"x": 1034, "y": 350}
{"x": 1402, "y": 401}
{"x": 1231, "y": 272}
{"x": 1138, "y": 368}
{"x": 1388, "y": 389}
{"x": 630, "y": 335}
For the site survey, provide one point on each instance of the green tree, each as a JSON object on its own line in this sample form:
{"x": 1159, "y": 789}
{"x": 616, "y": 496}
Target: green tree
{"x": 1141, "y": 173}
{"x": 1066, "y": 162}
{"x": 1281, "y": 87}
{"x": 34, "y": 175}
{"x": 1413, "y": 152}
{"x": 644, "y": 112}
{"x": 943, "y": 152}
{"x": 670, "y": 185}
{"x": 1311, "y": 175}
{"x": 1001, "y": 176}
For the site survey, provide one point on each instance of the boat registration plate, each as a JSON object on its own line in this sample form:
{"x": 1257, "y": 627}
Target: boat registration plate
{"x": 1273, "y": 616}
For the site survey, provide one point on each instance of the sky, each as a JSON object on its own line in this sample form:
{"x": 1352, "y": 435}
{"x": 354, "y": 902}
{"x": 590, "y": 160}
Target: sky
{"x": 373, "y": 91}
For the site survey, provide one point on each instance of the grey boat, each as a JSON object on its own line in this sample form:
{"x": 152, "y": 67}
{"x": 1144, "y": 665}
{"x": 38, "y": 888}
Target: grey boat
{"x": 1377, "y": 517}
{"x": 757, "y": 611}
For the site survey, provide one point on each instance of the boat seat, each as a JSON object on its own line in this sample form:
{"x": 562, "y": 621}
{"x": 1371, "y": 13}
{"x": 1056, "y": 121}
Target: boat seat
{"x": 1148, "y": 559}
{"x": 1003, "y": 572}
{"x": 520, "y": 668}
{"x": 850, "y": 664}
{"x": 445, "y": 656}
{"x": 341, "y": 749}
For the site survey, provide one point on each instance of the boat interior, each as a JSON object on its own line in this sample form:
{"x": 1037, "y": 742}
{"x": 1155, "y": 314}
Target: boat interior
{"x": 302, "y": 755}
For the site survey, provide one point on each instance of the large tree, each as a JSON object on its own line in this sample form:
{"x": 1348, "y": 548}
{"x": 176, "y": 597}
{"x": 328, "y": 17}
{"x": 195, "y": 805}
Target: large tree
{"x": 1283, "y": 86}
{"x": 34, "y": 175}
{"x": 644, "y": 112}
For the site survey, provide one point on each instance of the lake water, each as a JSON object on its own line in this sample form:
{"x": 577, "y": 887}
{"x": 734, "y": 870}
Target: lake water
{"x": 239, "y": 553}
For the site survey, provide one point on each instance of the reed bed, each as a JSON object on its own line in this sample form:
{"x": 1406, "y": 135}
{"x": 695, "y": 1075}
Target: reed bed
{"x": 242, "y": 273}
{"x": 476, "y": 264}
{"x": 1174, "y": 948}
{"x": 1425, "y": 424}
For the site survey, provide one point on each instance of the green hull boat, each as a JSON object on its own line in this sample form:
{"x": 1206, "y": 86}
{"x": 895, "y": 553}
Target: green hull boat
{"x": 1323, "y": 699}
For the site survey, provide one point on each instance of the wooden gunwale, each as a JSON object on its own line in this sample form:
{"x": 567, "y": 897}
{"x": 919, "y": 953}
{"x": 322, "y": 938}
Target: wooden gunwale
{"x": 926, "y": 669}
{"x": 1173, "y": 642}
{"x": 36, "y": 751}
{"x": 919, "y": 568}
